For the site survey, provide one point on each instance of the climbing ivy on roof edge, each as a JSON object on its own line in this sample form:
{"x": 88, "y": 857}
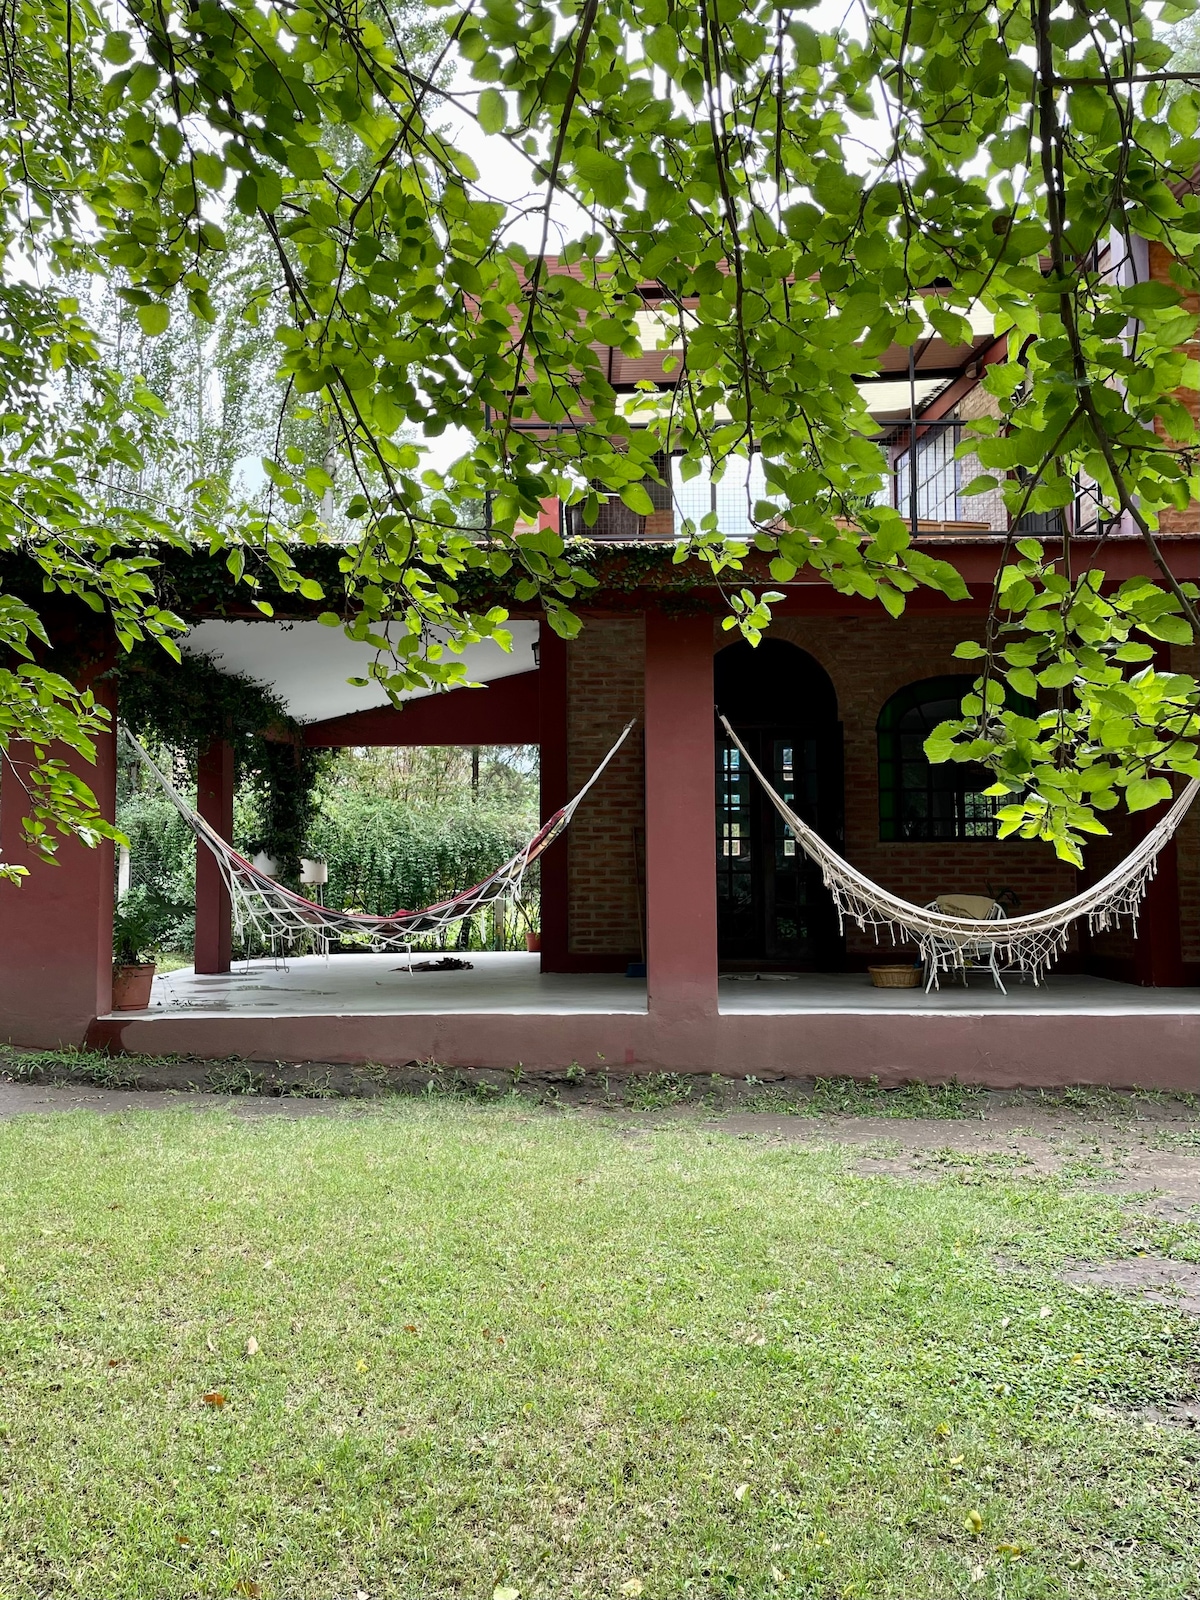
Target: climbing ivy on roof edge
{"x": 186, "y": 705}
{"x": 802, "y": 198}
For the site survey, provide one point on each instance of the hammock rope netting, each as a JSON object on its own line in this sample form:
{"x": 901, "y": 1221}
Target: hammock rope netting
{"x": 280, "y": 919}
{"x": 1028, "y": 943}
{"x": 283, "y": 919}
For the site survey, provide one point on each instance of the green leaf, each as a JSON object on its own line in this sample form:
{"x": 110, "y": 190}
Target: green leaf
{"x": 1056, "y": 676}
{"x": 143, "y": 81}
{"x": 154, "y": 318}
{"x": 493, "y": 111}
{"x": 1146, "y": 792}
{"x": 117, "y": 49}
{"x": 1150, "y": 296}
{"x": 635, "y": 497}
{"x": 602, "y": 174}
{"x": 1171, "y": 629}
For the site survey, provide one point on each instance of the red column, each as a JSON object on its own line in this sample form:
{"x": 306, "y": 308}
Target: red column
{"x": 56, "y": 926}
{"x": 550, "y": 515}
{"x": 214, "y": 802}
{"x": 681, "y": 874}
{"x": 553, "y": 776}
{"x": 1158, "y": 948}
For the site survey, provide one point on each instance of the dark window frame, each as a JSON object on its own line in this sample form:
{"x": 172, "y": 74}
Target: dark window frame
{"x": 920, "y": 803}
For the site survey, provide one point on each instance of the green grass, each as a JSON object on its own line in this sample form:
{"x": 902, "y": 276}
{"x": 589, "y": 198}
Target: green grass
{"x": 863, "y": 1097}
{"x": 546, "y": 1353}
{"x": 72, "y": 1066}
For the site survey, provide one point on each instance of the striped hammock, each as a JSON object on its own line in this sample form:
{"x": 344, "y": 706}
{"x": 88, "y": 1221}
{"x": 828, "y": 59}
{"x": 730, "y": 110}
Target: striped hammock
{"x": 1030, "y": 943}
{"x": 281, "y": 920}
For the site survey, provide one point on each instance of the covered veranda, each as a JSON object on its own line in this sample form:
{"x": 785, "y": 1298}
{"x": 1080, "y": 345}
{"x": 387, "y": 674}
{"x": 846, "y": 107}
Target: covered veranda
{"x": 544, "y": 1013}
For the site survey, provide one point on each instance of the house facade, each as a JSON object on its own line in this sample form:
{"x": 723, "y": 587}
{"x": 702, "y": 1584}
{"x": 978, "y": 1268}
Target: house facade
{"x": 676, "y": 866}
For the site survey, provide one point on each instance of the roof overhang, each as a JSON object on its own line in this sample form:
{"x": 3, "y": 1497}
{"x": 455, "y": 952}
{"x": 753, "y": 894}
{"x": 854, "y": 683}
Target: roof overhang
{"x": 307, "y": 664}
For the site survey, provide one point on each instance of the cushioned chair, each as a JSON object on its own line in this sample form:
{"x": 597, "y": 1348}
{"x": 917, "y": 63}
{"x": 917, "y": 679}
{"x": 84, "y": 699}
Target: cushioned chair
{"x": 964, "y": 952}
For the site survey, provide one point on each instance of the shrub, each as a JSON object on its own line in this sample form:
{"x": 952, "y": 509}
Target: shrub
{"x": 386, "y": 856}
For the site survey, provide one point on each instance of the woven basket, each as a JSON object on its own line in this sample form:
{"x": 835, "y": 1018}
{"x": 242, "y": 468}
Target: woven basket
{"x": 908, "y": 977}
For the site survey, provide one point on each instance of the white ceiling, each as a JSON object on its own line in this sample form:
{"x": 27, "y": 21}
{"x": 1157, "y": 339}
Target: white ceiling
{"x": 307, "y": 664}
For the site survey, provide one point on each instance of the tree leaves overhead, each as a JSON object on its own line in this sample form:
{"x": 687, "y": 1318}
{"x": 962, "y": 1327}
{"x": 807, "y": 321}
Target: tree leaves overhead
{"x": 801, "y": 200}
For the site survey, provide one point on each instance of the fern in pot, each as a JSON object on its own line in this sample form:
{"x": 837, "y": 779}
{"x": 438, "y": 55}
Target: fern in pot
{"x": 137, "y": 925}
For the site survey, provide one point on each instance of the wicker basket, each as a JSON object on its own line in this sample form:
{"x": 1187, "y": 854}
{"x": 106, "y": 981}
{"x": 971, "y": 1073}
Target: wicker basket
{"x": 907, "y": 977}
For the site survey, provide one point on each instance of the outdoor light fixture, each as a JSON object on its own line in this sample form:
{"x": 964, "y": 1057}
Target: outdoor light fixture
{"x": 537, "y": 652}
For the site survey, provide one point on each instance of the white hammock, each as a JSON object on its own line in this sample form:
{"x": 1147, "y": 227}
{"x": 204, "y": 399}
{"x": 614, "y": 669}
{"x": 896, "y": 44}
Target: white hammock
{"x": 1030, "y": 943}
{"x": 280, "y": 918}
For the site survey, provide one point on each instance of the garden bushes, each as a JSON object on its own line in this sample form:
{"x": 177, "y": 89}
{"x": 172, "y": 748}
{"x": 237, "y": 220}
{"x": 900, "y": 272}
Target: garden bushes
{"x": 384, "y": 855}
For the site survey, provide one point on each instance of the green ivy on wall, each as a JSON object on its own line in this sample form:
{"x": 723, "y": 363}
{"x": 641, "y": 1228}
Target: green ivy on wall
{"x": 188, "y": 704}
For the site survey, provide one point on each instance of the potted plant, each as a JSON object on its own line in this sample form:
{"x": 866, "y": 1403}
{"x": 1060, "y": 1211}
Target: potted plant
{"x": 136, "y": 924}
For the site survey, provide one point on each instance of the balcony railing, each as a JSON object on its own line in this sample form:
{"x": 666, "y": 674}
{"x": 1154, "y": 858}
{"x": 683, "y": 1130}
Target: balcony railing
{"x": 935, "y": 504}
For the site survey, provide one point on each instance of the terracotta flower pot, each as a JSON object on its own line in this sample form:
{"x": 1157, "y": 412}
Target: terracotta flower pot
{"x": 533, "y": 941}
{"x": 131, "y": 986}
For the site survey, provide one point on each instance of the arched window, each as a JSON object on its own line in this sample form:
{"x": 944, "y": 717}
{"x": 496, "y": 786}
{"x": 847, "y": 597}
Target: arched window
{"x": 920, "y": 801}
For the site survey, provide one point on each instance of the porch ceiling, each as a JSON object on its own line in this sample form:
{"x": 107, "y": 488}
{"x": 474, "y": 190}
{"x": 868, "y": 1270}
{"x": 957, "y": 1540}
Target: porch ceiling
{"x": 307, "y": 665}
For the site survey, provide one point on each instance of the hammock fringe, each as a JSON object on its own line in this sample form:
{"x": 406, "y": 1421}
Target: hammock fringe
{"x": 1030, "y": 943}
{"x": 280, "y": 919}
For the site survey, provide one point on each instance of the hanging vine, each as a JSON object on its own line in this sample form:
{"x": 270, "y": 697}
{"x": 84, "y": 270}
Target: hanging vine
{"x": 186, "y": 705}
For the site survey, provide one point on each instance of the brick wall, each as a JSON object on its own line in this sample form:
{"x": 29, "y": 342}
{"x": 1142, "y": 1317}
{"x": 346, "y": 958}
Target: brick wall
{"x": 869, "y": 659}
{"x": 1173, "y": 521}
{"x": 605, "y": 687}
{"x": 1189, "y": 839}
{"x": 988, "y": 507}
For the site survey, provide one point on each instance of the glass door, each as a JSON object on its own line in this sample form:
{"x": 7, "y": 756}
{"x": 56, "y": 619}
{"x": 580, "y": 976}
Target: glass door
{"x": 771, "y": 904}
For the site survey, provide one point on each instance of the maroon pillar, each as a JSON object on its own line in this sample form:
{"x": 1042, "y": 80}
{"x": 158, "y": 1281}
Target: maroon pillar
{"x": 214, "y": 802}
{"x": 681, "y": 873}
{"x": 553, "y": 777}
{"x": 56, "y": 926}
{"x": 1158, "y": 948}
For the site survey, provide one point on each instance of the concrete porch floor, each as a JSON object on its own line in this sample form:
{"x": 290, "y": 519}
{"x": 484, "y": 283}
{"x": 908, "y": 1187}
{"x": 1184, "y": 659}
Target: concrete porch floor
{"x": 506, "y": 1013}
{"x": 507, "y": 982}
{"x": 511, "y": 984}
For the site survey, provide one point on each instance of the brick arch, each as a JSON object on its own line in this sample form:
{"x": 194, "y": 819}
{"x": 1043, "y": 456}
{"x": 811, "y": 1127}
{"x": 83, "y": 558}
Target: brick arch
{"x": 799, "y": 664}
{"x": 869, "y": 658}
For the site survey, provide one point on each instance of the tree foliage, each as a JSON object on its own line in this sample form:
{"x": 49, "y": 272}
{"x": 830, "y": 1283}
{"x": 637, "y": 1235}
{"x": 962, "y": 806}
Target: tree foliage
{"x": 410, "y": 845}
{"x": 801, "y": 198}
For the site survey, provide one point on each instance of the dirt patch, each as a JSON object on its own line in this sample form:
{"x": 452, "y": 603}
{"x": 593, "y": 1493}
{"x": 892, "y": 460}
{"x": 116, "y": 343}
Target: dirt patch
{"x": 1166, "y": 1283}
{"x": 1130, "y": 1144}
{"x": 1177, "y": 1414}
{"x": 1170, "y": 1414}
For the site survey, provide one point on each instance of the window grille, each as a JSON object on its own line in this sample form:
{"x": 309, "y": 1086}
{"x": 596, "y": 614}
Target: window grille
{"x": 917, "y": 800}
{"x": 937, "y": 477}
{"x": 733, "y": 498}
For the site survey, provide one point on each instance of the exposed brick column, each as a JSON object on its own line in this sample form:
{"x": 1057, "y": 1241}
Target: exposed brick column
{"x": 681, "y": 875}
{"x": 214, "y": 802}
{"x": 56, "y": 927}
{"x": 553, "y": 778}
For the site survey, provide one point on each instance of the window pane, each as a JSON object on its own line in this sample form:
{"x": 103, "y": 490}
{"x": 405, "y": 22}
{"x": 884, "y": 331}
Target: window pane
{"x": 920, "y": 801}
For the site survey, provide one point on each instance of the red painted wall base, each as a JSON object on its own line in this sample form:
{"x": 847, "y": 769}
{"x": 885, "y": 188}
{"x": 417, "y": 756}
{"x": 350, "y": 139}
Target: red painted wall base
{"x": 1150, "y": 1050}
{"x": 56, "y": 928}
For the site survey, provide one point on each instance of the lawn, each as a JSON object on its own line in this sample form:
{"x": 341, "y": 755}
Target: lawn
{"x": 439, "y": 1349}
